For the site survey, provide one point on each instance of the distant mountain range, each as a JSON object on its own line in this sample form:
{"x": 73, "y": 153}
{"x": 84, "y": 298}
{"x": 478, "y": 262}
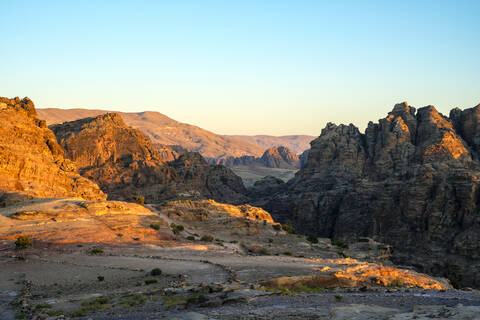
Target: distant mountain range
{"x": 161, "y": 129}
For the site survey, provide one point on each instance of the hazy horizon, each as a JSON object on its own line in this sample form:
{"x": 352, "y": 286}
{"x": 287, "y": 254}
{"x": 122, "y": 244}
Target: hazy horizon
{"x": 275, "y": 68}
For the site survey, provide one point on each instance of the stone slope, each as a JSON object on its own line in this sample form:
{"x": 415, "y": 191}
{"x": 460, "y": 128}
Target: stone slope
{"x": 123, "y": 161}
{"x": 411, "y": 180}
{"x": 32, "y": 163}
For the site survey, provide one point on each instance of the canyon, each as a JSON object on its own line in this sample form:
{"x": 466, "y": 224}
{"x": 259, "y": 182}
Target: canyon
{"x": 98, "y": 220}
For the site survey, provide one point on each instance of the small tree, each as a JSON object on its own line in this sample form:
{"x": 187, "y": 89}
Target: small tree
{"x": 23, "y": 242}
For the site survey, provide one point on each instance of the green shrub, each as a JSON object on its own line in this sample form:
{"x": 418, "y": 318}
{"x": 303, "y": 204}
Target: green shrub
{"x": 132, "y": 301}
{"x": 287, "y": 253}
{"x": 312, "y": 238}
{"x": 207, "y": 238}
{"x": 43, "y": 306}
{"x": 277, "y": 227}
{"x": 96, "y": 251}
{"x": 191, "y": 238}
{"x": 20, "y": 315}
{"x": 263, "y": 252}
{"x": 78, "y": 313}
{"x": 155, "y": 226}
{"x": 338, "y": 297}
{"x": 139, "y": 199}
{"x": 340, "y": 243}
{"x": 156, "y": 272}
{"x": 150, "y": 281}
{"x": 176, "y": 228}
{"x": 22, "y": 242}
{"x": 288, "y": 227}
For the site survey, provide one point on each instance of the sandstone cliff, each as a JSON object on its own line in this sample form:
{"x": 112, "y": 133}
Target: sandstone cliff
{"x": 411, "y": 180}
{"x": 274, "y": 157}
{"x": 32, "y": 164}
{"x": 125, "y": 163}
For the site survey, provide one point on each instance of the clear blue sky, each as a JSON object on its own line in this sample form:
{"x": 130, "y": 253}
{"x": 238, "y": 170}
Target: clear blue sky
{"x": 243, "y": 67}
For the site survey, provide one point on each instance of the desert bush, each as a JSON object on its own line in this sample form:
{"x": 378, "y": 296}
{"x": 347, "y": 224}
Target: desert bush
{"x": 288, "y": 227}
{"x": 96, "y": 251}
{"x": 207, "y": 238}
{"x": 312, "y": 238}
{"x": 263, "y": 251}
{"x": 156, "y": 272}
{"x": 100, "y": 278}
{"x": 43, "y": 306}
{"x": 277, "y": 227}
{"x": 133, "y": 300}
{"x": 139, "y": 199}
{"x": 155, "y": 226}
{"x": 150, "y": 281}
{"x": 340, "y": 243}
{"x": 287, "y": 253}
{"x": 338, "y": 297}
{"x": 191, "y": 238}
{"x": 22, "y": 242}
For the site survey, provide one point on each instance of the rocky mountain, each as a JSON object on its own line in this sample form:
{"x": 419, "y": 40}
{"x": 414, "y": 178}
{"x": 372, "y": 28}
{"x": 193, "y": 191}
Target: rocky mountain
{"x": 163, "y": 130}
{"x": 280, "y": 157}
{"x": 412, "y": 180}
{"x": 32, "y": 164}
{"x": 274, "y": 157}
{"x": 123, "y": 161}
{"x": 296, "y": 143}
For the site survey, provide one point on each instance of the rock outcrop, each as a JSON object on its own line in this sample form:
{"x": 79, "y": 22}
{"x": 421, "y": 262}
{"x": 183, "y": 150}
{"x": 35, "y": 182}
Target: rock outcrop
{"x": 412, "y": 180}
{"x": 32, "y": 164}
{"x": 280, "y": 157}
{"x": 274, "y": 157}
{"x": 125, "y": 163}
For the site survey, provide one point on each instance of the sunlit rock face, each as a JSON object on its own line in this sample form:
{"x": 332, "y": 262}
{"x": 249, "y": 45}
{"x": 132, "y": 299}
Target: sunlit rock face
{"x": 124, "y": 163}
{"x": 411, "y": 180}
{"x": 32, "y": 164}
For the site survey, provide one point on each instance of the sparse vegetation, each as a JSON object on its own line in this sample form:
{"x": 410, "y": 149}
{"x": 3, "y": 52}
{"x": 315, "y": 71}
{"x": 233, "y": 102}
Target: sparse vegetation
{"x": 139, "y": 199}
{"x": 132, "y": 301}
{"x": 207, "y": 238}
{"x": 312, "y": 238}
{"x": 96, "y": 304}
{"x": 78, "y": 313}
{"x": 155, "y": 226}
{"x": 20, "y": 315}
{"x": 177, "y": 228}
{"x": 263, "y": 251}
{"x": 55, "y": 313}
{"x": 156, "y": 272}
{"x": 287, "y": 253}
{"x": 23, "y": 242}
{"x": 338, "y": 297}
{"x": 96, "y": 251}
{"x": 150, "y": 281}
{"x": 175, "y": 300}
{"x": 340, "y": 243}
{"x": 277, "y": 227}
{"x": 43, "y": 306}
{"x": 288, "y": 227}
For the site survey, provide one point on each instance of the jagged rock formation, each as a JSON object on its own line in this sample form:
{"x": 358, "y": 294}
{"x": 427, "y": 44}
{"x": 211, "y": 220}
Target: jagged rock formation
{"x": 125, "y": 163}
{"x": 412, "y": 181}
{"x": 274, "y": 157}
{"x": 32, "y": 164}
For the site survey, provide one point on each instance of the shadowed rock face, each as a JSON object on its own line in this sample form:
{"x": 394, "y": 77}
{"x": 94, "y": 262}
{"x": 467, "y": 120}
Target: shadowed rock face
{"x": 411, "y": 180}
{"x": 31, "y": 161}
{"x": 274, "y": 157}
{"x": 125, "y": 163}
